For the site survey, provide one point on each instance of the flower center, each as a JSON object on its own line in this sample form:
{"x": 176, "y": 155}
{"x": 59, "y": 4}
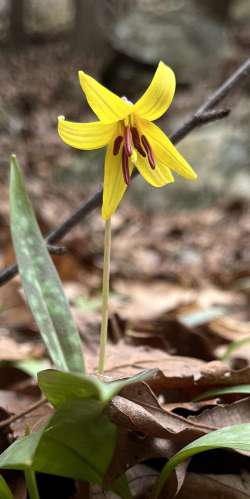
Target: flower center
{"x": 130, "y": 139}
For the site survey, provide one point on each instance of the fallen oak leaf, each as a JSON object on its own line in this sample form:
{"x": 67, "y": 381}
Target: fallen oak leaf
{"x": 225, "y": 415}
{"x": 179, "y": 373}
{"x": 176, "y": 371}
{"x": 189, "y": 408}
{"x": 138, "y": 409}
{"x": 147, "y": 431}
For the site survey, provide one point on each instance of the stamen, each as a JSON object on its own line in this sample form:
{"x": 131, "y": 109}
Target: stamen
{"x": 127, "y": 141}
{"x": 125, "y": 167}
{"x": 149, "y": 151}
{"x": 117, "y": 144}
{"x": 136, "y": 141}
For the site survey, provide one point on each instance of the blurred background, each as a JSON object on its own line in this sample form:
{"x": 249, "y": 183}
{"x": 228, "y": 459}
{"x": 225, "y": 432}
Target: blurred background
{"x": 44, "y": 44}
{"x": 199, "y": 230}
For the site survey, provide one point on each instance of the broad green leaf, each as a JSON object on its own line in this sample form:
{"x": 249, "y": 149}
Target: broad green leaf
{"x": 59, "y": 386}
{"x": 5, "y": 492}
{"x": 20, "y": 455}
{"x": 223, "y": 390}
{"x": 40, "y": 280}
{"x": 78, "y": 442}
{"x": 235, "y": 345}
{"x": 230, "y": 437}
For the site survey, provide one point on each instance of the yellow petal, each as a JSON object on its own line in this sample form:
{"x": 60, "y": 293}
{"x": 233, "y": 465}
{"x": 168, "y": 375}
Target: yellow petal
{"x": 105, "y": 104}
{"x": 158, "y": 96}
{"x": 157, "y": 177}
{"x": 164, "y": 151}
{"x": 85, "y": 135}
{"x": 114, "y": 186}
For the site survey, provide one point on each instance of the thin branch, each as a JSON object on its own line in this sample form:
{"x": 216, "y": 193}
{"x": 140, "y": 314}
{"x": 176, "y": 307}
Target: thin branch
{"x": 31, "y": 408}
{"x": 197, "y": 120}
{"x": 56, "y": 250}
{"x": 239, "y": 75}
{"x": 204, "y": 114}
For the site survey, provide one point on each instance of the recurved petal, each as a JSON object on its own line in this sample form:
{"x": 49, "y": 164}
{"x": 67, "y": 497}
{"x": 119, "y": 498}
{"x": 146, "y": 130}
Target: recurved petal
{"x": 159, "y": 176}
{"x": 114, "y": 186}
{"x": 158, "y": 96}
{"x": 105, "y": 104}
{"x": 85, "y": 135}
{"x": 164, "y": 151}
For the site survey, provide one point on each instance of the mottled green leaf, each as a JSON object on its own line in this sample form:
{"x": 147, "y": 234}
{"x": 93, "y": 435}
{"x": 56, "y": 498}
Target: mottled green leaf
{"x": 60, "y": 386}
{"x": 230, "y": 437}
{"x": 41, "y": 283}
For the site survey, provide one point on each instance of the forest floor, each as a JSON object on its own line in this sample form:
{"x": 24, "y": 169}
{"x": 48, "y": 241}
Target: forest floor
{"x": 180, "y": 281}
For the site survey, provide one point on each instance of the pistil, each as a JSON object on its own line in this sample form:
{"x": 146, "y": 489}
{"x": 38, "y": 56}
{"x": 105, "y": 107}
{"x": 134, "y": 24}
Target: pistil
{"x": 127, "y": 141}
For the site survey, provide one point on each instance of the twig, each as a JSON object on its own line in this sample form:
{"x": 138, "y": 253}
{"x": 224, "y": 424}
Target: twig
{"x": 56, "y": 250}
{"x": 198, "y": 119}
{"x": 31, "y": 408}
{"x": 239, "y": 75}
{"x": 204, "y": 114}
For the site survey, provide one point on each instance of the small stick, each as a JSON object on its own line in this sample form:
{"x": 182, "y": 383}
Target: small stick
{"x": 21, "y": 414}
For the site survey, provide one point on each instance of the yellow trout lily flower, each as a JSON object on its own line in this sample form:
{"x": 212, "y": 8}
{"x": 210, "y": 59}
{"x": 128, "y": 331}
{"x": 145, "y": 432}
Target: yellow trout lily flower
{"x": 131, "y": 138}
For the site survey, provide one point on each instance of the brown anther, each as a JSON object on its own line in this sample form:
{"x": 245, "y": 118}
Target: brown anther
{"x": 136, "y": 141}
{"x": 125, "y": 166}
{"x": 149, "y": 151}
{"x": 127, "y": 141}
{"x": 117, "y": 145}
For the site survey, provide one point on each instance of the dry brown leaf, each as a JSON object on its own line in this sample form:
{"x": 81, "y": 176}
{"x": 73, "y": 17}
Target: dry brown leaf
{"x": 172, "y": 336}
{"x": 13, "y": 350}
{"x": 224, "y": 415}
{"x": 216, "y": 486}
{"x": 15, "y": 402}
{"x": 147, "y": 431}
{"x": 137, "y": 409}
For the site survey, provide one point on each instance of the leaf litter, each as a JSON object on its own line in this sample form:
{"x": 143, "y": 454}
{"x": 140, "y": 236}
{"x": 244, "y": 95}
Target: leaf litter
{"x": 179, "y": 297}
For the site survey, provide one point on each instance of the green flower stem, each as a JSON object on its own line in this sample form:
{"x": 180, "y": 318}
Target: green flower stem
{"x": 105, "y": 295}
{"x": 30, "y": 479}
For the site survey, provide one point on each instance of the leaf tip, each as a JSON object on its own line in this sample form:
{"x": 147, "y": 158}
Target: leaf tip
{"x": 13, "y": 161}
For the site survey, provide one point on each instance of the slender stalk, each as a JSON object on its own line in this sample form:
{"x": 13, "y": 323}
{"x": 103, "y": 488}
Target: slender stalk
{"x": 105, "y": 295}
{"x": 30, "y": 479}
